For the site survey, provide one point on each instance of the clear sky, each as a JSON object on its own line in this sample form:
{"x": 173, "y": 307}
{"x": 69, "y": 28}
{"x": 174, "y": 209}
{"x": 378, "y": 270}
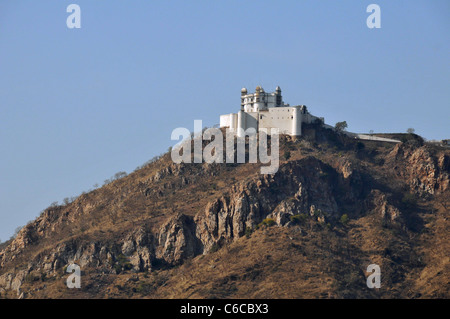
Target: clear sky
{"x": 79, "y": 105}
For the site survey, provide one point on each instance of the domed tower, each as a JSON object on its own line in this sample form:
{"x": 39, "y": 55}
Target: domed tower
{"x": 278, "y": 99}
{"x": 243, "y": 93}
{"x": 259, "y": 96}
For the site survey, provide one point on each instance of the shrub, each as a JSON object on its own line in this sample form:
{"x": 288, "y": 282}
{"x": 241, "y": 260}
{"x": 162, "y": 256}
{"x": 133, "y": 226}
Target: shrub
{"x": 317, "y": 212}
{"x": 117, "y": 268}
{"x": 122, "y": 264}
{"x": 119, "y": 175}
{"x": 298, "y": 219}
{"x": 54, "y": 204}
{"x": 267, "y": 222}
{"x": 144, "y": 288}
{"x": 215, "y": 247}
{"x": 30, "y": 278}
{"x": 344, "y": 219}
{"x": 248, "y": 232}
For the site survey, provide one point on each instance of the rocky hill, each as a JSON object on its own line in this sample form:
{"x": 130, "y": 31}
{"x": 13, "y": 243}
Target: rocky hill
{"x": 168, "y": 230}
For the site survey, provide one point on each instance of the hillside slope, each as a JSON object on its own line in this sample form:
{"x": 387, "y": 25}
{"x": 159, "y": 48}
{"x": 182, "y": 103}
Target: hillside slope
{"x": 170, "y": 230}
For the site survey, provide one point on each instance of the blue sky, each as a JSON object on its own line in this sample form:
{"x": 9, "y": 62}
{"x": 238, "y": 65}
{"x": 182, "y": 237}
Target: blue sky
{"x": 79, "y": 105}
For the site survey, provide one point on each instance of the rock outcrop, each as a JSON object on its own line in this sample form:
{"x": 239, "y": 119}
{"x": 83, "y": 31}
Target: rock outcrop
{"x": 427, "y": 173}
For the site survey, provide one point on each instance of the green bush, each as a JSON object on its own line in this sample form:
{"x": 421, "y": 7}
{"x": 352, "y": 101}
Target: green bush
{"x": 215, "y": 247}
{"x": 144, "y": 288}
{"x": 298, "y": 219}
{"x": 32, "y": 278}
{"x": 268, "y": 222}
{"x": 344, "y": 219}
{"x": 122, "y": 264}
{"x": 341, "y": 126}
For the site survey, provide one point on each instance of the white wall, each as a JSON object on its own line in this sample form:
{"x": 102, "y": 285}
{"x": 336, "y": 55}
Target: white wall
{"x": 228, "y": 120}
{"x": 251, "y": 120}
{"x": 225, "y": 120}
{"x": 281, "y": 117}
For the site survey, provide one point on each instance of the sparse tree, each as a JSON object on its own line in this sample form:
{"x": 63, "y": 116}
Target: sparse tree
{"x": 371, "y": 132}
{"x": 410, "y": 130}
{"x": 16, "y": 232}
{"x": 120, "y": 175}
{"x": 54, "y": 204}
{"x": 341, "y": 126}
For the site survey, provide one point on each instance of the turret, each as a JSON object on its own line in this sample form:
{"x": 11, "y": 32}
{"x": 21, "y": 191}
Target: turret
{"x": 241, "y": 124}
{"x": 243, "y": 93}
{"x": 296, "y": 121}
{"x": 259, "y": 96}
{"x": 279, "y": 99}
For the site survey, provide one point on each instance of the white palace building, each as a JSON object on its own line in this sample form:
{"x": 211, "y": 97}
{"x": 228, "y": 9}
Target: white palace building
{"x": 267, "y": 110}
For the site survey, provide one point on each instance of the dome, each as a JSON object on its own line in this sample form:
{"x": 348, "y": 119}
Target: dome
{"x": 278, "y": 89}
{"x": 243, "y": 90}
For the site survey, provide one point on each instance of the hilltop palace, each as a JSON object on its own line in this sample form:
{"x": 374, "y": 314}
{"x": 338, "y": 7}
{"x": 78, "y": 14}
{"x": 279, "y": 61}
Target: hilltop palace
{"x": 267, "y": 110}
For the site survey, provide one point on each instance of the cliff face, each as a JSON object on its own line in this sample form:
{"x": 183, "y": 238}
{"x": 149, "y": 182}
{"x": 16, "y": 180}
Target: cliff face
{"x": 425, "y": 172}
{"x": 163, "y": 217}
